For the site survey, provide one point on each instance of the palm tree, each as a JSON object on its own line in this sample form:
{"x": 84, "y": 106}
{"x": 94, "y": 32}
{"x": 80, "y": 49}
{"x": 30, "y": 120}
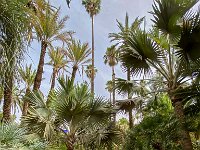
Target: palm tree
{"x": 73, "y": 109}
{"x": 58, "y": 62}
{"x": 13, "y": 26}
{"x": 109, "y": 88}
{"x": 40, "y": 118}
{"x": 77, "y": 54}
{"x": 176, "y": 63}
{"x": 15, "y": 137}
{"x": 93, "y": 8}
{"x": 111, "y": 58}
{"x": 79, "y": 112}
{"x": 48, "y": 28}
{"x": 137, "y": 93}
{"x": 88, "y": 72}
{"x": 28, "y": 76}
{"x": 124, "y": 30}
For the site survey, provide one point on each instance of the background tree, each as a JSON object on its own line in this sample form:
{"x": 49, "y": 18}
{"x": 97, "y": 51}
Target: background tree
{"x": 93, "y": 8}
{"x": 77, "y": 54}
{"x": 13, "y": 26}
{"x": 109, "y": 88}
{"x": 141, "y": 52}
{"x": 111, "y": 58}
{"x": 88, "y": 72}
{"x": 58, "y": 62}
{"x": 28, "y": 76}
{"x": 48, "y": 28}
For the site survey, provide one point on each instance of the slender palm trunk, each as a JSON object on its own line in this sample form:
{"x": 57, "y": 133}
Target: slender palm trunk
{"x": 183, "y": 132}
{"x": 26, "y": 103}
{"x": 53, "y": 79}
{"x": 74, "y": 70}
{"x": 130, "y": 115}
{"x": 8, "y": 86}
{"x": 38, "y": 77}
{"x": 110, "y": 98}
{"x": 48, "y": 102}
{"x": 92, "y": 77}
{"x": 129, "y": 97}
{"x": 113, "y": 86}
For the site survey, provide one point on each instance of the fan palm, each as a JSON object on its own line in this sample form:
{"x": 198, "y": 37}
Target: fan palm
{"x": 93, "y": 8}
{"x": 111, "y": 58}
{"x": 132, "y": 88}
{"x": 77, "y": 54}
{"x": 11, "y": 134}
{"x": 40, "y": 118}
{"x": 107, "y": 137}
{"x": 48, "y": 28}
{"x": 125, "y": 87}
{"x": 13, "y": 24}
{"x": 15, "y": 137}
{"x": 124, "y": 30}
{"x": 58, "y": 62}
{"x": 28, "y": 76}
{"x": 143, "y": 52}
{"x": 78, "y": 112}
{"x": 88, "y": 72}
{"x": 109, "y": 87}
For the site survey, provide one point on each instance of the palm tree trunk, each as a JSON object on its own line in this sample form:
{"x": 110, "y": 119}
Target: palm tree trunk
{"x": 38, "y": 77}
{"x": 129, "y": 97}
{"x": 74, "y": 70}
{"x": 113, "y": 81}
{"x": 8, "y": 86}
{"x": 183, "y": 132}
{"x": 26, "y": 103}
{"x": 48, "y": 102}
{"x": 53, "y": 79}
{"x": 130, "y": 115}
{"x": 110, "y": 98}
{"x": 92, "y": 77}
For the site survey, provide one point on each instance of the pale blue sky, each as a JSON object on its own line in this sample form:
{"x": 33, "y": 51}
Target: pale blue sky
{"x": 105, "y": 23}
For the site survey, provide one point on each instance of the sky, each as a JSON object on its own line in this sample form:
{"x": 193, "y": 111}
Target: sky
{"x": 105, "y": 23}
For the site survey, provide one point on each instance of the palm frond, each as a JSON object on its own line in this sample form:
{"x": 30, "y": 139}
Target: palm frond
{"x": 189, "y": 41}
{"x": 138, "y": 51}
{"x": 168, "y": 12}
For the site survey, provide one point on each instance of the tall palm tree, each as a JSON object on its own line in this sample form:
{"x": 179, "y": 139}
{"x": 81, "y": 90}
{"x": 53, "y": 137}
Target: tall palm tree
{"x": 28, "y": 76}
{"x": 58, "y": 62}
{"x": 111, "y": 58}
{"x": 77, "y": 54}
{"x": 48, "y": 28}
{"x": 93, "y": 8}
{"x": 124, "y": 30}
{"x": 142, "y": 52}
{"x": 13, "y": 26}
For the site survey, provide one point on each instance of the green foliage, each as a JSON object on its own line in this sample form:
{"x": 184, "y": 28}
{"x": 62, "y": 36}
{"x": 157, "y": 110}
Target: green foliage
{"x": 92, "y": 6}
{"x": 14, "y": 25}
{"x": 13, "y": 137}
{"x": 40, "y": 118}
{"x": 157, "y": 129}
{"x": 27, "y": 75}
{"x": 78, "y": 53}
